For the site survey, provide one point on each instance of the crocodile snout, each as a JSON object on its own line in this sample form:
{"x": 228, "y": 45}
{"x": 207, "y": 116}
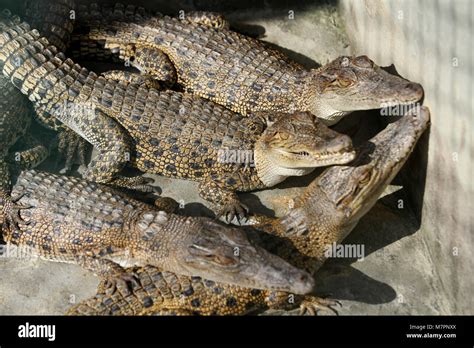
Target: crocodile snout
{"x": 341, "y": 143}
{"x": 304, "y": 285}
{"x": 413, "y": 91}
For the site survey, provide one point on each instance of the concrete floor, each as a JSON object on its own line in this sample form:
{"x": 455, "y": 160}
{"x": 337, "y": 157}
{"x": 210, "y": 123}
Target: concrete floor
{"x": 396, "y": 276}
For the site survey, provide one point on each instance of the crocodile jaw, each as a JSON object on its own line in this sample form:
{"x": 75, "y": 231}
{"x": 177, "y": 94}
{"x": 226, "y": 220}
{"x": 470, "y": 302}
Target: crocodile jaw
{"x": 271, "y": 174}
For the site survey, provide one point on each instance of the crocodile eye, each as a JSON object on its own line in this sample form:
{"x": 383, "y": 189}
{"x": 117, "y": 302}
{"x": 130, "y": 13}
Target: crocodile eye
{"x": 326, "y": 79}
{"x": 281, "y": 136}
{"x": 343, "y": 82}
{"x": 364, "y": 179}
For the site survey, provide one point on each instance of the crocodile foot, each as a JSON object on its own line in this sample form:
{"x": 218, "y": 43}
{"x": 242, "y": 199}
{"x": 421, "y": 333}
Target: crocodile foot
{"x": 11, "y": 212}
{"x": 295, "y": 223}
{"x": 137, "y": 183}
{"x": 122, "y": 282}
{"x": 312, "y": 305}
{"x": 233, "y": 210}
{"x": 71, "y": 147}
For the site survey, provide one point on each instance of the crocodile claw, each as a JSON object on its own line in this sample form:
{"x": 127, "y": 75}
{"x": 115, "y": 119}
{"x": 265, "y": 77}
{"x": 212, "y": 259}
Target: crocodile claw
{"x": 295, "y": 223}
{"x": 312, "y": 305}
{"x": 234, "y": 210}
{"x": 123, "y": 282}
{"x": 11, "y": 213}
{"x": 137, "y": 183}
{"x": 143, "y": 184}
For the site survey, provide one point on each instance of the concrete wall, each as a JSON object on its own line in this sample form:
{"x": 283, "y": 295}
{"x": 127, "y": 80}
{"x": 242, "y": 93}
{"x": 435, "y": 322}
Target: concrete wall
{"x": 431, "y": 42}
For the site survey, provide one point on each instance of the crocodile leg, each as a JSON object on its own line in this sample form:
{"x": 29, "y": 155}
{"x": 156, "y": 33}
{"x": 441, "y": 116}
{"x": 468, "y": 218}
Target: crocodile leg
{"x": 9, "y": 210}
{"x": 308, "y": 304}
{"x": 312, "y": 305}
{"x": 226, "y": 200}
{"x": 71, "y": 147}
{"x": 114, "y": 275}
{"x": 148, "y": 60}
{"x": 112, "y": 144}
{"x": 30, "y": 158}
{"x": 33, "y": 156}
{"x": 138, "y": 183}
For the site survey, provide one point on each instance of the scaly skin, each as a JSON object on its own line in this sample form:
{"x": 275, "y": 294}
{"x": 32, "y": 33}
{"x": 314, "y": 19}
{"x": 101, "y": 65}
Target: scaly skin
{"x": 148, "y": 60}
{"x": 54, "y": 21}
{"x": 69, "y": 93}
{"x": 325, "y": 213}
{"x": 72, "y": 220}
{"x": 246, "y": 75}
{"x": 15, "y": 118}
{"x": 174, "y": 134}
{"x": 179, "y": 135}
{"x": 15, "y": 112}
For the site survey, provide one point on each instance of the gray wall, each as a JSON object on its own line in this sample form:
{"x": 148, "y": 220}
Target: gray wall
{"x": 431, "y": 42}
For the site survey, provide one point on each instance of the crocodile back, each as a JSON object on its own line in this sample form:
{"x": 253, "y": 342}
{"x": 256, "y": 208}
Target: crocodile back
{"x": 69, "y": 215}
{"x": 177, "y": 134}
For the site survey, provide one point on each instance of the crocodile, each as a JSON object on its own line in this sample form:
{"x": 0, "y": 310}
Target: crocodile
{"x": 325, "y": 213}
{"x": 246, "y": 75}
{"x": 168, "y": 132}
{"x": 192, "y": 138}
{"x": 98, "y": 227}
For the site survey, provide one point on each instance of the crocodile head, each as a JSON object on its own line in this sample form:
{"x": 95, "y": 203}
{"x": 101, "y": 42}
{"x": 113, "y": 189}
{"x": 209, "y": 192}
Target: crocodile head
{"x": 218, "y": 252}
{"x": 356, "y": 83}
{"x": 297, "y": 143}
{"x": 335, "y": 201}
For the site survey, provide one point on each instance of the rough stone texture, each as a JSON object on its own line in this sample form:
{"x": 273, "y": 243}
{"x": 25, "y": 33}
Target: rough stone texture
{"x": 407, "y": 269}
